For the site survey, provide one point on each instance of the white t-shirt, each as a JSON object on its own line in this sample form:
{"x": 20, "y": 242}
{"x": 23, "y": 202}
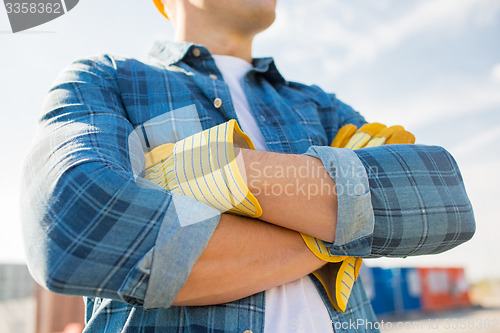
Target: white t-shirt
{"x": 296, "y": 306}
{"x": 233, "y": 70}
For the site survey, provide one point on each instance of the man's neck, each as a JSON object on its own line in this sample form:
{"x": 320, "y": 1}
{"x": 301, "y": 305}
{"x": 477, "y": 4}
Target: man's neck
{"x": 218, "y": 41}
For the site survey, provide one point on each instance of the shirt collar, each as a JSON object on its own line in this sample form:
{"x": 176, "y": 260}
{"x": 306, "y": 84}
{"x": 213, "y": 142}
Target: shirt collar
{"x": 171, "y": 53}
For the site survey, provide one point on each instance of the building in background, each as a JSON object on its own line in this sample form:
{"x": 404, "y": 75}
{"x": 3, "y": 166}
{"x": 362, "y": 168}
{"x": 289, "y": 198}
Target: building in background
{"x": 17, "y": 300}
{"x": 26, "y": 307}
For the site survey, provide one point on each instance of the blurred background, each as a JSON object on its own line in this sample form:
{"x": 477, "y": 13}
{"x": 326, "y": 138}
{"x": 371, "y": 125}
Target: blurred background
{"x": 430, "y": 65}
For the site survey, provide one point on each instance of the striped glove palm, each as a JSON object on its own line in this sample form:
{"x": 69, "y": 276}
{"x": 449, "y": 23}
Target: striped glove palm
{"x": 204, "y": 166}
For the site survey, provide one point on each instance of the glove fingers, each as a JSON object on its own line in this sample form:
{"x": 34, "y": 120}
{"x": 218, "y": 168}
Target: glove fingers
{"x": 364, "y": 135}
{"x": 343, "y": 136}
{"x": 381, "y": 137}
{"x": 403, "y": 137}
{"x": 338, "y": 280}
{"x": 357, "y": 267}
{"x": 344, "y": 282}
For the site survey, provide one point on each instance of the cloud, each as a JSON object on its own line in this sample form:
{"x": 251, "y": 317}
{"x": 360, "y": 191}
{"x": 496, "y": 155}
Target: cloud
{"x": 344, "y": 35}
{"x": 440, "y": 100}
{"x": 488, "y": 138}
{"x": 495, "y": 73}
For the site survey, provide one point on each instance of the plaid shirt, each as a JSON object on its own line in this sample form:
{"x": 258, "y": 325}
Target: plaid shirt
{"x": 94, "y": 227}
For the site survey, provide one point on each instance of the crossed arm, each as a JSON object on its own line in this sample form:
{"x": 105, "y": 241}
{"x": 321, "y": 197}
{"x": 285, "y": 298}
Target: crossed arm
{"x": 243, "y": 257}
{"x": 417, "y": 201}
{"x": 91, "y": 229}
{"x": 246, "y": 256}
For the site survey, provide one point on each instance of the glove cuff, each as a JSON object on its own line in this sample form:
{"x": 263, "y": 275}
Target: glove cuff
{"x": 203, "y": 166}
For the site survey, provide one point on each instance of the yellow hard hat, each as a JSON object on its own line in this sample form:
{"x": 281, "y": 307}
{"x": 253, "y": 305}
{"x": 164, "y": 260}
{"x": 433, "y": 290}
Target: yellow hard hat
{"x": 159, "y": 5}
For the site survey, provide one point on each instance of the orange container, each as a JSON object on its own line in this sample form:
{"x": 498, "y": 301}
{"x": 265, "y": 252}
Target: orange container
{"x": 443, "y": 289}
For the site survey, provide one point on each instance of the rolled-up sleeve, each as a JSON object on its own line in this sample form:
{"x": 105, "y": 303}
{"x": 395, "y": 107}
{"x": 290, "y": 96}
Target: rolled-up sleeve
{"x": 355, "y": 220}
{"x": 91, "y": 226}
{"x": 406, "y": 200}
{"x": 419, "y": 200}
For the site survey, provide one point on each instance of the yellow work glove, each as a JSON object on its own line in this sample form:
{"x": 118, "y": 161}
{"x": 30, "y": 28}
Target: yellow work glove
{"x": 338, "y": 276}
{"x": 203, "y": 166}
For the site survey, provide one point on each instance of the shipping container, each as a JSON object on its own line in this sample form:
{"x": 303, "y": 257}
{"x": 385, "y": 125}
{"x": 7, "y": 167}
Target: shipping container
{"x": 443, "y": 289}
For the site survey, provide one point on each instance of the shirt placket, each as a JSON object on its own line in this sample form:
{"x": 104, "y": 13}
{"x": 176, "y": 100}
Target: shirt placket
{"x": 265, "y": 116}
{"x": 209, "y": 79}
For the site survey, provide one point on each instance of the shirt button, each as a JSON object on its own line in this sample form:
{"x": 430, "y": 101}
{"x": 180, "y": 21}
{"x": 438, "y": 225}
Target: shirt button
{"x": 262, "y": 118}
{"x": 217, "y": 102}
{"x": 196, "y": 52}
{"x": 213, "y": 76}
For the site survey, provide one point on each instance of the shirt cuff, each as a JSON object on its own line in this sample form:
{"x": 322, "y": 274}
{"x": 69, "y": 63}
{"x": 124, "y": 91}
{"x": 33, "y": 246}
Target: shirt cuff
{"x": 355, "y": 218}
{"x": 186, "y": 229}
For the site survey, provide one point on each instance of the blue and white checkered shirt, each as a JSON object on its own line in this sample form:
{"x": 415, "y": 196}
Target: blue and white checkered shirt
{"x": 94, "y": 227}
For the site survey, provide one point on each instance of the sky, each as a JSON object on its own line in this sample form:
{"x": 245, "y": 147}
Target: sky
{"x": 430, "y": 65}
